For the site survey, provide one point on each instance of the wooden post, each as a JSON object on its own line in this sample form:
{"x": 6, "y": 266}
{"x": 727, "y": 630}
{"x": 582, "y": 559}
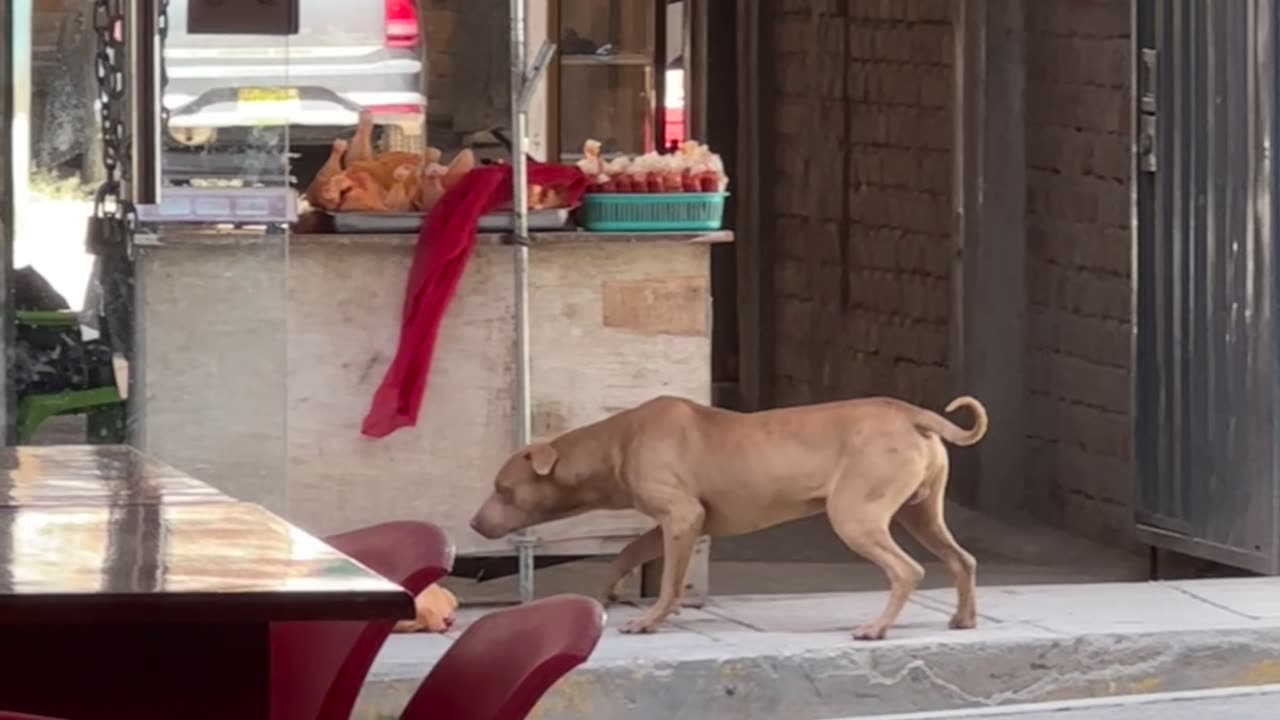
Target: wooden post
{"x": 990, "y": 337}
{"x": 754, "y": 173}
{"x": 482, "y": 68}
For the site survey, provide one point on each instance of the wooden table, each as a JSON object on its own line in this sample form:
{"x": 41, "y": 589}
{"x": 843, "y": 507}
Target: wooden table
{"x": 130, "y": 590}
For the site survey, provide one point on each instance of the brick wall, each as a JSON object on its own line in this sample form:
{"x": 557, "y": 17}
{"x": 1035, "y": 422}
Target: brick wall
{"x": 1079, "y": 454}
{"x": 864, "y": 201}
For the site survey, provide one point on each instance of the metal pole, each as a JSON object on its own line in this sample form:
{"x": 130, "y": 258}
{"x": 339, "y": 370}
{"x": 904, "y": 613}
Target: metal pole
{"x": 520, "y": 225}
{"x": 17, "y": 54}
{"x": 142, "y": 37}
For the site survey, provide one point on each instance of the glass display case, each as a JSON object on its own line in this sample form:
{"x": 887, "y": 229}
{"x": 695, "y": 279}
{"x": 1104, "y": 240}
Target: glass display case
{"x": 122, "y": 338}
{"x": 613, "y": 73}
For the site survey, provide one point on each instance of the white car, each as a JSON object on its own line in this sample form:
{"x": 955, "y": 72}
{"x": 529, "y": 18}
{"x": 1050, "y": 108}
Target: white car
{"x": 229, "y": 91}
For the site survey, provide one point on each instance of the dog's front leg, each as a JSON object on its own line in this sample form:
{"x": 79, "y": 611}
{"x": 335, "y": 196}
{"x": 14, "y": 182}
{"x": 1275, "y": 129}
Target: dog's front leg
{"x": 643, "y": 549}
{"x": 681, "y": 526}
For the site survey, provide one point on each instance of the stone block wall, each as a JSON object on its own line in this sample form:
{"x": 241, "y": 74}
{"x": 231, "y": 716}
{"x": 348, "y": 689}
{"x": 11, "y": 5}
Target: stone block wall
{"x": 864, "y": 199}
{"x": 1080, "y": 470}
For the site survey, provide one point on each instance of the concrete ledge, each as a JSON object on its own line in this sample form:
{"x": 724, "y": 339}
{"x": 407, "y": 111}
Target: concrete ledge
{"x": 776, "y": 656}
{"x": 1252, "y": 703}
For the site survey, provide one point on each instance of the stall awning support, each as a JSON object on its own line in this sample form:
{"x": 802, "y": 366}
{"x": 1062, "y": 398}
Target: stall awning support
{"x": 524, "y": 81}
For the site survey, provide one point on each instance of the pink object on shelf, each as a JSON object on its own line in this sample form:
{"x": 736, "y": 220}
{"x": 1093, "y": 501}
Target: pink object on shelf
{"x": 673, "y": 131}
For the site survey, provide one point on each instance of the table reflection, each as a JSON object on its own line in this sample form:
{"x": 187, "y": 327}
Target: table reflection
{"x": 220, "y": 548}
{"x": 100, "y": 474}
{"x": 105, "y": 550}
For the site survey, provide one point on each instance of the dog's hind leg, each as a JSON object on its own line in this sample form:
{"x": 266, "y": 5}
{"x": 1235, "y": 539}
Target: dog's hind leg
{"x": 926, "y": 522}
{"x": 863, "y": 524}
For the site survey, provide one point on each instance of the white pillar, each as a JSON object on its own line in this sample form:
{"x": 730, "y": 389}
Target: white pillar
{"x": 20, "y": 137}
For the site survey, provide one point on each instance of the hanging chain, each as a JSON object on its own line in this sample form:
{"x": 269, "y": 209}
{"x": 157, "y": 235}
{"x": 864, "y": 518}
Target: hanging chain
{"x": 109, "y": 71}
{"x": 163, "y": 26}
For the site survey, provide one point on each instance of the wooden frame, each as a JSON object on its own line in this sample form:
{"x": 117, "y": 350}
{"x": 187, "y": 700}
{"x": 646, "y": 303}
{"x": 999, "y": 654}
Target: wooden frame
{"x": 988, "y": 161}
{"x": 659, "y": 20}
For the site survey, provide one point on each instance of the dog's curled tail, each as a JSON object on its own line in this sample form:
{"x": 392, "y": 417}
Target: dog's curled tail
{"x": 949, "y": 431}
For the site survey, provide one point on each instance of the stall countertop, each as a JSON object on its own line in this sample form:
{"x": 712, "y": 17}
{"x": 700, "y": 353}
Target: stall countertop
{"x": 178, "y": 235}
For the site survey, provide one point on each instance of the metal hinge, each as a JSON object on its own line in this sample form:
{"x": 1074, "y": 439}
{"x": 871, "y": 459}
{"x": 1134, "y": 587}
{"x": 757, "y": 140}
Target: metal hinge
{"x": 1147, "y": 139}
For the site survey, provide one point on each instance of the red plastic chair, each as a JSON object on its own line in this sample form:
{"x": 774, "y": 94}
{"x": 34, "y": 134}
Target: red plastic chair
{"x": 23, "y": 716}
{"x": 506, "y": 661}
{"x": 317, "y": 668}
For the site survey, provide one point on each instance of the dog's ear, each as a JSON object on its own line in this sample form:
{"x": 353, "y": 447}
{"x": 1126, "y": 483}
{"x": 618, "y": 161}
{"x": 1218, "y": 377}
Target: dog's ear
{"x": 542, "y": 458}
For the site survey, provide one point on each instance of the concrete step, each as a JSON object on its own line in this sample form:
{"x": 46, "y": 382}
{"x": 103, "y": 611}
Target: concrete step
{"x": 1254, "y": 703}
{"x": 773, "y": 656}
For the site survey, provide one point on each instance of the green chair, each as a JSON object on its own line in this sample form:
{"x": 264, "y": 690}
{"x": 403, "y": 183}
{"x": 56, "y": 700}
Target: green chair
{"x": 103, "y": 407}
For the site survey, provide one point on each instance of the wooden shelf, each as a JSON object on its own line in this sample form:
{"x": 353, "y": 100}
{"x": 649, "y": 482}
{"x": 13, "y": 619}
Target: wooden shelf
{"x": 621, "y": 59}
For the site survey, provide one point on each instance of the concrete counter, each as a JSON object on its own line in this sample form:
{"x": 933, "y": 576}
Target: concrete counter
{"x": 236, "y": 238}
{"x": 259, "y": 354}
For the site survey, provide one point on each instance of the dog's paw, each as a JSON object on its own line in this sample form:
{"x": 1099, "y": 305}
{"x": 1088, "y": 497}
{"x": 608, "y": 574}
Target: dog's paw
{"x": 870, "y": 632}
{"x": 959, "y": 622}
{"x": 640, "y": 626}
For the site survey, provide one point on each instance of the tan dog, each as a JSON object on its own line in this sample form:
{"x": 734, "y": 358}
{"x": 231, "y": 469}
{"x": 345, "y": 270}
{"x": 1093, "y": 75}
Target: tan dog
{"x": 700, "y": 470}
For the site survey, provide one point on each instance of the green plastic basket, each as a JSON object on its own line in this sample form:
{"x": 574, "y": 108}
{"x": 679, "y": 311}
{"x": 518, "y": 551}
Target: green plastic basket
{"x": 656, "y": 212}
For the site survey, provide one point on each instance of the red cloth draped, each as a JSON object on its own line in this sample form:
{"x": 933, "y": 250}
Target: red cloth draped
{"x": 444, "y": 246}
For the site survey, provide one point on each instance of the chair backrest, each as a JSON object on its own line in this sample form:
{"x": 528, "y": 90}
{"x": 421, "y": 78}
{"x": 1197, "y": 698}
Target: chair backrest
{"x": 506, "y": 661}
{"x": 317, "y": 668}
{"x": 4, "y": 715}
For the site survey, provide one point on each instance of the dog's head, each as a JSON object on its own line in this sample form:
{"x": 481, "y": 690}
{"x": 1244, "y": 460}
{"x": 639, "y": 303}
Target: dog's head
{"x": 526, "y": 492}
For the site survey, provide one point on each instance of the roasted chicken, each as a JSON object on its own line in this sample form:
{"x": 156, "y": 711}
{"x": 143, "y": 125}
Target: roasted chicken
{"x": 319, "y": 191}
{"x": 357, "y": 179}
{"x": 361, "y": 193}
{"x": 361, "y": 149}
{"x": 462, "y": 164}
{"x": 404, "y": 188}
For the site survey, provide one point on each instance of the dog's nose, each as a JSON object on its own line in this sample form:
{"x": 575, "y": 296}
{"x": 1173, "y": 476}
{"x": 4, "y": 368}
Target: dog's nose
{"x": 475, "y": 524}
